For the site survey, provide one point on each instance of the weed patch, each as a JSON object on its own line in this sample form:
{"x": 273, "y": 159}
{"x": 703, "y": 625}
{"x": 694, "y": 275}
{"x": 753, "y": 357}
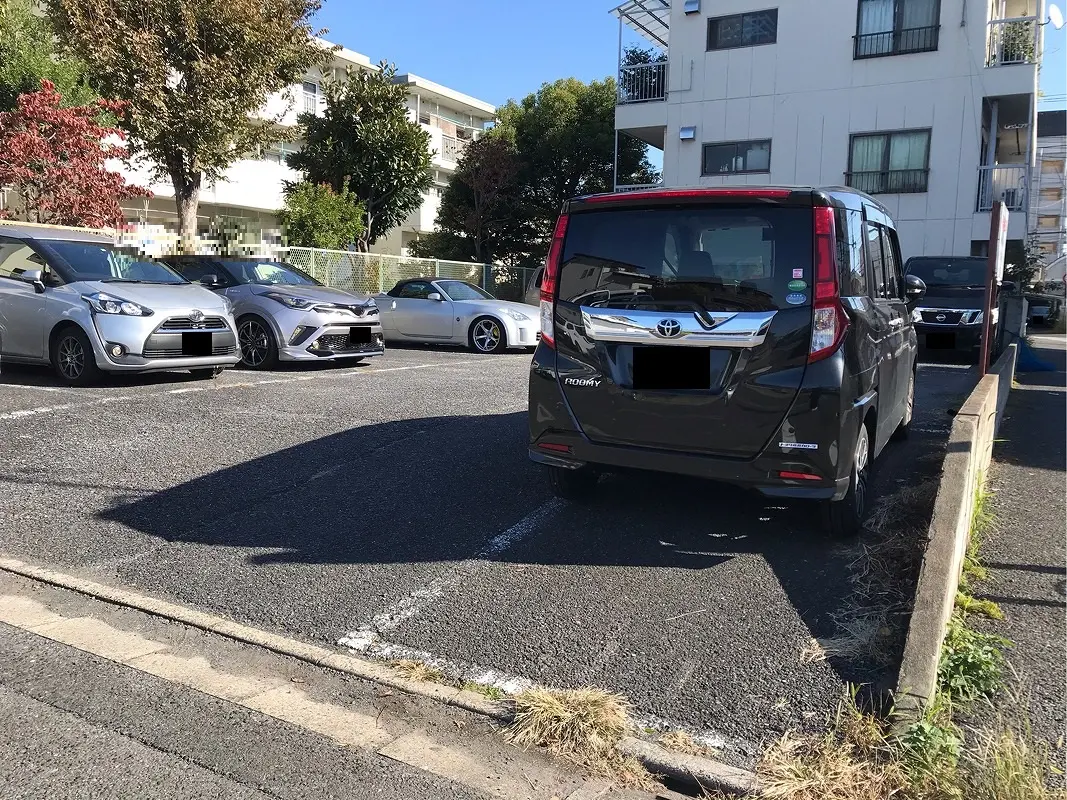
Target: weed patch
{"x": 417, "y": 671}
{"x": 492, "y": 692}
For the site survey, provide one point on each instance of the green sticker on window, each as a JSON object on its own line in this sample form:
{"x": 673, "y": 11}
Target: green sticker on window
{"x": 797, "y": 286}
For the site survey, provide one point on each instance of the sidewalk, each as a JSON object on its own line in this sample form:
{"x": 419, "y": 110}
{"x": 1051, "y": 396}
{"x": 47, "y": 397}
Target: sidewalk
{"x": 1025, "y": 551}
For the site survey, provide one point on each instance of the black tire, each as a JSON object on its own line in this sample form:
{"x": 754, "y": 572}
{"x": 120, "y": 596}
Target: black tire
{"x": 206, "y": 373}
{"x": 843, "y": 518}
{"x": 73, "y": 359}
{"x": 261, "y": 351}
{"x": 576, "y": 485}
{"x": 904, "y": 428}
{"x": 487, "y": 335}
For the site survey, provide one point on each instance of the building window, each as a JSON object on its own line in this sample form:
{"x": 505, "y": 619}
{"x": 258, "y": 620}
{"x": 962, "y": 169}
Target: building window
{"x": 1047, "y": 248}
{"x": 894, "y": 27}
{"x": 1048, "y": 222}
{"x": 1052, "y": 166}
{"x": 732, "y": 158}
{"x": 890, "y": 163}
{"x": 1051, "y": 195}
{"x": 743, "y": 30}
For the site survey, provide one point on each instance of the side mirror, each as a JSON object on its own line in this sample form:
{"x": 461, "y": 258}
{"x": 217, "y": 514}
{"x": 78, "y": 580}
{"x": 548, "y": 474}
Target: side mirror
{"x": 210, "y": 281}
{"x": 914, "y": 289}
{"x": 34, "y": 277}
{"x": 434, "y": 296}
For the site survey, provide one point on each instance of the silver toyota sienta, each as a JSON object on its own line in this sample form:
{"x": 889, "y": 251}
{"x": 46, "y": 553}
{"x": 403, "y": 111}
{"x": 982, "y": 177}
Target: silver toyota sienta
{"x": 75, "y": 301}
{"x": 285, "y": 314}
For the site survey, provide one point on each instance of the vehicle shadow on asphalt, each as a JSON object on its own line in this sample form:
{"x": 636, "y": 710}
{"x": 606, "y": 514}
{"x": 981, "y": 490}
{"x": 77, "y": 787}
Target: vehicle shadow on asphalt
{"x": 439, "y": 489}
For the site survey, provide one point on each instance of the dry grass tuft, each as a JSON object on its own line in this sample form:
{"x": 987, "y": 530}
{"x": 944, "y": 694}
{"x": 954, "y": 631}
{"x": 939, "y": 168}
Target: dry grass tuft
{"x": 1007, "y": 765}
{"x": 417, "y": 671}
{"x": 682, "y": 742}
{"x": 583, "y": 726}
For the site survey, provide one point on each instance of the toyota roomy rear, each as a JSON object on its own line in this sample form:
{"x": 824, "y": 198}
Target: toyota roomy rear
{"x": 760, "y": 337}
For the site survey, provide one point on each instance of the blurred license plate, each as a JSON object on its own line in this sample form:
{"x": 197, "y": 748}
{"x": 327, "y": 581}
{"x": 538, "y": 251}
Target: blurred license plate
{"x": 672, "y": 368}
{"x": 196, "y": 344}
{"x": 360, "y": 335}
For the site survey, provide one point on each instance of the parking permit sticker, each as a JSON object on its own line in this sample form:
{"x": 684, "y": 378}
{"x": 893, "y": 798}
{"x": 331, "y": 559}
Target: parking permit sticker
{"x": 798, "y": 273}
{"x": 798, "y": 446}
{"x": 796, "y": 298}
{"x": 797, "y": 286}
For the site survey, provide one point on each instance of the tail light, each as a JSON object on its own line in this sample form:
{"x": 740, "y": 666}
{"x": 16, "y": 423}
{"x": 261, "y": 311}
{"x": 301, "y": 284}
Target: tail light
{"x": 830, "y": 321}
{"x": 549, "y": 280}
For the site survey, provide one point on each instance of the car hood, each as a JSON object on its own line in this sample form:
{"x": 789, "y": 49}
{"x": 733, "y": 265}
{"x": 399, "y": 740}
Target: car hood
{"x": 316, "y": 294}
{"x": 949, "y": 297}
{"x": 159, "y": 296}
{"x": 489, "y": 306}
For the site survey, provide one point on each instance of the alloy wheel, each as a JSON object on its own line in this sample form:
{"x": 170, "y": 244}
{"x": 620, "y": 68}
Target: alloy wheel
{"x": 863, "y": 453}
{"x": 71, "y": 358}
{"x": 255, "y": 346}
{"x": 911, "y": 401}
{"x": 486, "y": 335}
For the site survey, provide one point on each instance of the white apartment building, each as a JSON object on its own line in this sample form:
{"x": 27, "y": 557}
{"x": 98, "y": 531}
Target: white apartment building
{"x": 250, "y": 193}
{"x": 1048, "y": 200}
{"x": 927, "y": 104}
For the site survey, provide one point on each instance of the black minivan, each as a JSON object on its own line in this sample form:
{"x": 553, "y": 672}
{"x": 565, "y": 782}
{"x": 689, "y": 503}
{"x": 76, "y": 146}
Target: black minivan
{"x": 757, "y": 336}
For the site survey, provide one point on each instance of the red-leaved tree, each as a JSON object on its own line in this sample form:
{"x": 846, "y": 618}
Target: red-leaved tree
{"x": 55, "y": 160}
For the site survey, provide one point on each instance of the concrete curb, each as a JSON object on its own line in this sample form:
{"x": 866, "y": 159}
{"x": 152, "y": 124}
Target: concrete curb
{"x": 970, "y": 450}
{"x": 695, "y": 770}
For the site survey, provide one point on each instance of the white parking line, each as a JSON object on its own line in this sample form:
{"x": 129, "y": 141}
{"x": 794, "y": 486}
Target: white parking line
{"x": 369, "y": 636}
{"x": 217, "y": 386}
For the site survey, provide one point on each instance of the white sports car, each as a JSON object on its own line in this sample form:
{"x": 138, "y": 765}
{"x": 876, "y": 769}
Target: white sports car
{"x": 455, "y": 312}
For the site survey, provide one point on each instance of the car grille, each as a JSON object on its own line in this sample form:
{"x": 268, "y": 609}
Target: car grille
{"x": 358, "y": 311}
{"x": 948, "y": 317}
{"x": 219, "y": 350}
{"x": 340, "y": 343}
{"x": 186, "y": 324}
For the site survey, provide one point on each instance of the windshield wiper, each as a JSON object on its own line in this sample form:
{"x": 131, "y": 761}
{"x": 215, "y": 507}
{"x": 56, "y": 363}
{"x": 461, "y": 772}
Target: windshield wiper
{"x": 121, "y": 280}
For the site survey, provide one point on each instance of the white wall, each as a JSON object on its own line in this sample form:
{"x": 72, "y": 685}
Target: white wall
{"x": 808, "y": 94}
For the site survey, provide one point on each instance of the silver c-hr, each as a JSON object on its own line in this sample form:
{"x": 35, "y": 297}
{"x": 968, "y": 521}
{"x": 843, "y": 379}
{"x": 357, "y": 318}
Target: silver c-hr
{"x": 73, "y": 300}
{"x": 284, "y": 314}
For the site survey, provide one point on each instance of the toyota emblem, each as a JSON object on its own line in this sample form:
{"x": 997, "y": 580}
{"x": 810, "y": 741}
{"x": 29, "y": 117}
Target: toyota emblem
{"x": 940, "y": 317}
{"x": 197, "y": 315}
{"x": 668, "y": 328}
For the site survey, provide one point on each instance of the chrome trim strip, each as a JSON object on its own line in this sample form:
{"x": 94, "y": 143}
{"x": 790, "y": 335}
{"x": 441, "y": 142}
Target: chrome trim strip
{"x": 728, "y": 329}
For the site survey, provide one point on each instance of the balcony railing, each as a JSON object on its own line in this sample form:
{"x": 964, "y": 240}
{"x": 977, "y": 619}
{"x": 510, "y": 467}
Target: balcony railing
{"x": 890, "y": 181}
{"x": 896, "y": 42}
{"x": 641, "y": 83}
{"x": 1012, "y": 41}
{"x": 452, "y": 147}
{"x": 1005, "y": 183}
{"x": 312, "y": 103}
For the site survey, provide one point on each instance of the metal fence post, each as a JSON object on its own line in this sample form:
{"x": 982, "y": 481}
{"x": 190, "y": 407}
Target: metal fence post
{"x": 437, "y": 268}
{"x": 381, "y": 278}
{"x": 487, "y": 276}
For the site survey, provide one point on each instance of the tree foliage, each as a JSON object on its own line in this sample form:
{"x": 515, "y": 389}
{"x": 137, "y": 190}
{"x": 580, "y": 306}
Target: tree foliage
{"x": 317, "y": 216}
{"x": 365, "y": 138}
{"x": 1022, "y": 262}
{"x": 194, "y": 75}
{"x": 28, "y": 56}
{"x": 55, "y": 158}
{"x": 552, "y": 145}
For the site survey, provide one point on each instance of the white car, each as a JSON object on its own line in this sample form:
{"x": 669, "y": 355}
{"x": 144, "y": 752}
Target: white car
{"x": 456, "y": 312}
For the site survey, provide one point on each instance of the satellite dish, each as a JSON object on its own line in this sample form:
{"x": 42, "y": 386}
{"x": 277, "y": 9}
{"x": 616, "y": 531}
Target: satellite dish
{"x": 1055, "y": 17}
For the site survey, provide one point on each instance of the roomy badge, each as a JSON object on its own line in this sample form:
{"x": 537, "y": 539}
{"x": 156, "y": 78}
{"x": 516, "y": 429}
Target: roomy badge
{"x": 796, "y": 298}
{"x": 798, "y": 286}
{"x": 798, "y": 273}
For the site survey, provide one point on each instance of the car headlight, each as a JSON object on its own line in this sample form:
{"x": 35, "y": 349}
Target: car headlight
{"x": 372, "y": 309}
{"x": 518, "y": 316}
{"x": 103, "y": 303}
{"x": 289, "y": 301}
{"x": 978, "y": 318}
{"x": 916, "y": 315}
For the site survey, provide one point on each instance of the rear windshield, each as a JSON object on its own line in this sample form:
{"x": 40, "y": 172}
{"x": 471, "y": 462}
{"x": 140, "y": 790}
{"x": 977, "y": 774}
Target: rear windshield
{"x": 736, "y": 258}
{"x": 962, "y": 272}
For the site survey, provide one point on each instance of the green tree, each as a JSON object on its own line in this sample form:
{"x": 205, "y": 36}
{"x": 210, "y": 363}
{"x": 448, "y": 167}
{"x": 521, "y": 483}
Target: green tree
{"x": 194, "y": 75}
{"x": 317, "y": 216}
{"x": 365, "y": 138}
{"x": 1022, "y": 262}
{"x": 28, "y": 56}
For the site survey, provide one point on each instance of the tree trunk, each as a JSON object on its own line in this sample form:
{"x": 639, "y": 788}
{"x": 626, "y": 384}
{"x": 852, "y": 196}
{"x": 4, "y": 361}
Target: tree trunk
{"x": 187, "y": 199}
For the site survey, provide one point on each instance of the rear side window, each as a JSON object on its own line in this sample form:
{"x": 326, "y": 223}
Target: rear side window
{"x": 890, "y": 254}
{"x": 716, "y": 258}
{"x": 850, "y": 251}
{"x": 875, "y": 261}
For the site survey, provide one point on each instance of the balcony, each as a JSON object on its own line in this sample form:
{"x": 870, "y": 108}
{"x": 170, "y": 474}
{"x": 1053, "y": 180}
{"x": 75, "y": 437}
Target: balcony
{"x": 892, "y": 181}
{"x": 1012, "y": 41}
{"x": 312, "y": 103}
{"x": 452, "y": 147}
{"x": 1002, "y": 183}
{"x": 641, "y": 83}
{"x": 896, "y": 42}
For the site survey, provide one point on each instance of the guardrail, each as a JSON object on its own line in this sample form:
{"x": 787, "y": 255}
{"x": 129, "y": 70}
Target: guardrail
{"x": 896, "y": 42}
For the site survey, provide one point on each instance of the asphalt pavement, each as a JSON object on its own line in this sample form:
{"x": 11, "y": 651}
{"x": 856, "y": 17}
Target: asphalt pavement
{"x": 393, "y": 504}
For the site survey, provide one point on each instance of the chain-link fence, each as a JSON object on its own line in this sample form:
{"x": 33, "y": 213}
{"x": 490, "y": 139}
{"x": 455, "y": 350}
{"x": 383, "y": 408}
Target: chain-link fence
{"x": 372, "y": 273}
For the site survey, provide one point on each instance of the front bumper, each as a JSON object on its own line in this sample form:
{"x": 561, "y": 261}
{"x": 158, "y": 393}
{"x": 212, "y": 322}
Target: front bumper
{"x": 332, "y": 341}
{"x": 522, "y": 334}
{"x": 164, "y": 341}
{"x": 948, "y": 337}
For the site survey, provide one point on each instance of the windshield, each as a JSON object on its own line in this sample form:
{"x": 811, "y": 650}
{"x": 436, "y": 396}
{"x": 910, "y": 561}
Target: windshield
{"x": 960, "y": 272}
{"x": 711, "y": 258}
{"x": 269, "y": 273}
{"x": 94, "y": 262}
{"x": 461, "y": 290}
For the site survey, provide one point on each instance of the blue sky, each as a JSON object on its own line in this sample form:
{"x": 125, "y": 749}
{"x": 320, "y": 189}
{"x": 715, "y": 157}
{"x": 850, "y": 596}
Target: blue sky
{"x": 498, "y": 50}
